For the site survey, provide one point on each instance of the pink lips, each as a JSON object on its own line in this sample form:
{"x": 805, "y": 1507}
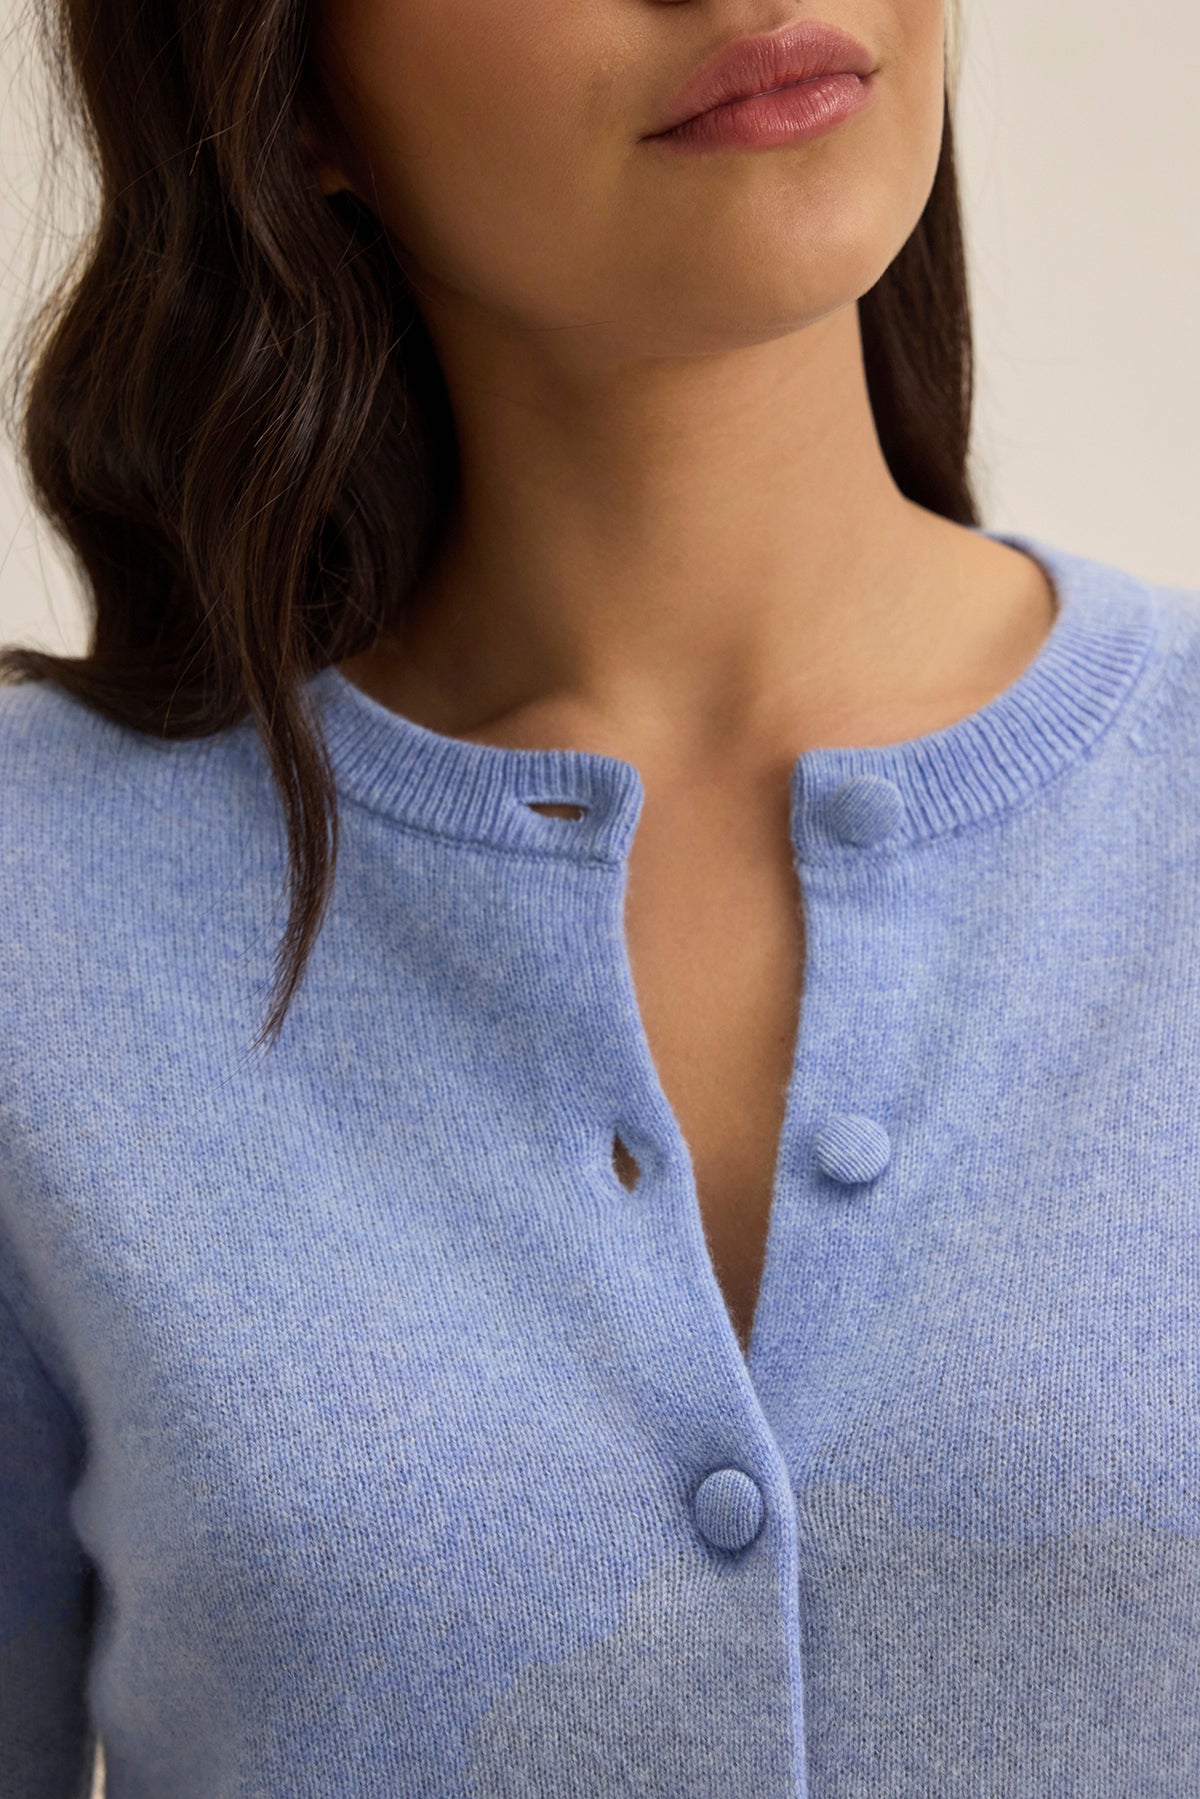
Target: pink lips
{"x": 758, "y": 65}
{"x": 786, "y": 115}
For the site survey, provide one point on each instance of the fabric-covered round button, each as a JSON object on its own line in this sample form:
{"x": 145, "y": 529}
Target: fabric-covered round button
{"x": 729, "y": 1509}
{"x": 865, "y": 809}
{"x": 851, "y": 1148}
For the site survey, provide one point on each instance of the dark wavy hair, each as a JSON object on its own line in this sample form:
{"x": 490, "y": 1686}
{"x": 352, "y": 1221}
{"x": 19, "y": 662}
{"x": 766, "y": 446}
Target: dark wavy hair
{"x": 231, "y": 410}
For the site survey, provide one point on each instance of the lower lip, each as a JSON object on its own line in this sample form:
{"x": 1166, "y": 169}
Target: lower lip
{"x": 788, "y": 115}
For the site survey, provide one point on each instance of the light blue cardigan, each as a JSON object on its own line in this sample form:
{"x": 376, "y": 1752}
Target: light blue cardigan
{"x": 362, "y": 1434}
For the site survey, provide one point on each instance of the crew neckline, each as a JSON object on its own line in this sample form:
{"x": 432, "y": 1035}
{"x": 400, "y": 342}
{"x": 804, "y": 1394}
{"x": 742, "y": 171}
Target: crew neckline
{"x": 966, "y": 773}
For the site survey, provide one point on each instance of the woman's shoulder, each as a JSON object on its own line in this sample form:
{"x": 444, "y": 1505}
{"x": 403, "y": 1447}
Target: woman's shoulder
{"x": 53, "y": 743}
{"x": 70, "y": 774}
{"x": 1146, "y": 626}
{"x": 1165, "y": 713}
{"x": 116, "y": 845}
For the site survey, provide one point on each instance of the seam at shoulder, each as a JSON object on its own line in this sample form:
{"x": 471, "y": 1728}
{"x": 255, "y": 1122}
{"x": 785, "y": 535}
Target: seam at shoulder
{"x": 1150, "y": 727}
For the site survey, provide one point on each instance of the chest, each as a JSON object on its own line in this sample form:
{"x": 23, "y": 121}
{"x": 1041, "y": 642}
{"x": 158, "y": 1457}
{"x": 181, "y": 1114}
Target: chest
{"x": 715, "y": 935}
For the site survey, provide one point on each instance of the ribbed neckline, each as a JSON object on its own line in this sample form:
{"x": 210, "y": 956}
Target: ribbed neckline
{"x": 967, "y": 773}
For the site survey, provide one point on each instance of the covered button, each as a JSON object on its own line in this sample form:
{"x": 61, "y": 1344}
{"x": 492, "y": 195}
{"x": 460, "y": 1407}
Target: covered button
{"x": 729, "y": 1509}
{"x": 865, "y": 809}
{"x": 851, "y": 1148}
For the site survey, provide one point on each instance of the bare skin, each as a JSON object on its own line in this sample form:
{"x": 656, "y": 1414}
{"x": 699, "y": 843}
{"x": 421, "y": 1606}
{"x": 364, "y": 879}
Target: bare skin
{"x": 678, "y": 540}
{"x": 713, "y": 916}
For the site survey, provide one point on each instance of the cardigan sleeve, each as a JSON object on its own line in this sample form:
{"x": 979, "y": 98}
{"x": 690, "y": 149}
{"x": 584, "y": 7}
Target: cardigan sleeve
{"x": 47, "y": 1747}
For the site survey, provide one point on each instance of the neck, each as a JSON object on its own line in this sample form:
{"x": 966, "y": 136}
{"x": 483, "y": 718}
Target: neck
{"x": 653, "y": 565}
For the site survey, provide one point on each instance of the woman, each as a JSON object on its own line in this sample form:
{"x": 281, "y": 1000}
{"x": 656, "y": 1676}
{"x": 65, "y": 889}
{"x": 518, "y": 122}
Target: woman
{"x": 700, "y": 1297}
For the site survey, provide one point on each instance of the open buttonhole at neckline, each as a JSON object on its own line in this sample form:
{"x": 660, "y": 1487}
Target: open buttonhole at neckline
{"x": 625, "y": 1167}
{"x": 557, "y": 809}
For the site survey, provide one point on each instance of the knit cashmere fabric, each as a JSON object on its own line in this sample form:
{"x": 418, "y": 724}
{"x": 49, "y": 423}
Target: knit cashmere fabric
{"x": 363, "y": 1433}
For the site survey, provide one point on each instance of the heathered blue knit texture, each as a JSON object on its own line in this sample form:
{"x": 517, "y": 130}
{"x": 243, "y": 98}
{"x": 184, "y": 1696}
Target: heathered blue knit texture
{"x": 362, "y": 1433}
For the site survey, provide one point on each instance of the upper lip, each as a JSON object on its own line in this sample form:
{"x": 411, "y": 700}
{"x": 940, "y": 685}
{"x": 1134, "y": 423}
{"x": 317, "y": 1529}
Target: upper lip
{"x": 754, "y": 65}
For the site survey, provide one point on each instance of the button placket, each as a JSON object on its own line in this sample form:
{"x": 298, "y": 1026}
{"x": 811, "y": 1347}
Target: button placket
{"x": 850, "y": 1147}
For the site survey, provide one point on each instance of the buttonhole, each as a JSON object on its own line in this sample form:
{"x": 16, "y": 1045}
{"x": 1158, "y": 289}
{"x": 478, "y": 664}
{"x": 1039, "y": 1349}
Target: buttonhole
{"x": 624, "y": 1165}
{"x": 556, "y": 808}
